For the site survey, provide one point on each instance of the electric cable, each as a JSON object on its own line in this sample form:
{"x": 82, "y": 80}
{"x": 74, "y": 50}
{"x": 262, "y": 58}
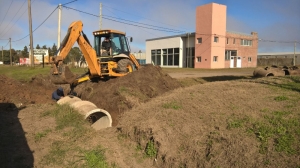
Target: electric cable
{"x": 39, "y": 25}
{"x": 122, "y": 21}
{"x": 6, "y": 13}
{"x": 13, "y": 17}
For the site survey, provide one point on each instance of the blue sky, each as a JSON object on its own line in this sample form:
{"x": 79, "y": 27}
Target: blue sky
{"x": 275, "y": 20}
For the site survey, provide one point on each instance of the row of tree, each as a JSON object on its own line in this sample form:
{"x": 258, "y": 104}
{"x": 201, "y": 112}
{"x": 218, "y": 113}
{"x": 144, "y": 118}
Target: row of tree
{"x": 74, "y": 54}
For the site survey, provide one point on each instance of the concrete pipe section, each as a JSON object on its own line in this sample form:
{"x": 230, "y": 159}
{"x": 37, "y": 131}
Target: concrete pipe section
{"x": 99, "y": 118}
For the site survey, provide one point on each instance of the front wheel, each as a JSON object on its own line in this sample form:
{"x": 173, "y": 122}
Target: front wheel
{"x": 125, "y": 65}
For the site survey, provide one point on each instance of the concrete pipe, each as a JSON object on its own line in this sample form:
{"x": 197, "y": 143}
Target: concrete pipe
{"x": 261, "y": 72}
{"x": 99, "y": 118}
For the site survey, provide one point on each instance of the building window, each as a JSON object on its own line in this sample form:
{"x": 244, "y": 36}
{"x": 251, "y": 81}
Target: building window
{"x": 227, "y": 55}
{"x": 170, "y": 56}
{"x": 199, "y": 40}
{"x": 227, "y": 41}
{"x": 215, "y": 58}
{"x": 246, "y": 42}
{"x": 216, "y": 39}
{"x": 156, "y": 56}
{"x": 198, "y": 59}
{"x": 249, "y": 59}
{"x": 233, "y": 41}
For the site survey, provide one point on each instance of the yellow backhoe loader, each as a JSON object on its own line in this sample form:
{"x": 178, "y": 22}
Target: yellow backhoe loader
{"x": 110, "y": 56}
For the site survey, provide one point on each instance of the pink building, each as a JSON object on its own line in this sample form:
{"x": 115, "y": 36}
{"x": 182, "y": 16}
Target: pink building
{"x": 211, "y": 46}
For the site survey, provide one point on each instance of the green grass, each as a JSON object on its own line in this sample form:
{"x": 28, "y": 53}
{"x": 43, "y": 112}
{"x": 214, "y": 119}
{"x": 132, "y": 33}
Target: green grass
{"x": 38, "y": 136}
{"x": 72, "y": 130}
{"x": 25, "y": 73}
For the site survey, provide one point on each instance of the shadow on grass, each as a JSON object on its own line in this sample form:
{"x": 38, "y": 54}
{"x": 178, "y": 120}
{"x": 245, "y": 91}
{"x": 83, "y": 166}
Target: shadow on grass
{"x": 224, "y": 78}
{"x": 14, "y": 150}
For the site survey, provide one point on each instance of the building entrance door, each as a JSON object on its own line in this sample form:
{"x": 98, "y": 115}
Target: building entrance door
{"x": 235, "y": 62}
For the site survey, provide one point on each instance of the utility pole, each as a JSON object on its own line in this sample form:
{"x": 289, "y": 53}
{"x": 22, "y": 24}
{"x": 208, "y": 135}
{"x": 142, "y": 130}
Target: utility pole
{"x": 59, "y": 22}
{"x": 10, "y": 52}
{"x": 100, "y": 17}
{"x": 295, "y": 53}
{"x": 30, "y": 32}
{"x": 2, "y": 55}
{"x": 188, "y": 52}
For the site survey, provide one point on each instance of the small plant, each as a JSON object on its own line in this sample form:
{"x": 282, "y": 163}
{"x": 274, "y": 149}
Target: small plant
{"x": 150, "y": 149}
{"x": 172, "y": 105}
{"x": 280, "y": 98}
{"x": 38, "y": 136}
{"x": 95, "y": 158}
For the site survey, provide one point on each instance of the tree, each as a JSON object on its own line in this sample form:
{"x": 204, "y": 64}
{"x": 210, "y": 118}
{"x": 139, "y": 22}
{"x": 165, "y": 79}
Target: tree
{"x": 37, "y": 46}
{"x": 74, "y": 55}
{"x": 25, "y": 53}
{"x": 54, "y": 49}
{"x": 50, "y": 51}
{"x": 44, "y": 47}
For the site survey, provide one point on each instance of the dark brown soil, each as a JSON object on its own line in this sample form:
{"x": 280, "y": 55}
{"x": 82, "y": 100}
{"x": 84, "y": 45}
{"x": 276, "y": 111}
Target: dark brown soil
{"x": 120, "y": 94}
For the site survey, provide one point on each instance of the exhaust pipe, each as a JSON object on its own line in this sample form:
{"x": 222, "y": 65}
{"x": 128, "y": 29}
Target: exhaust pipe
{"x": 99, "y": 118}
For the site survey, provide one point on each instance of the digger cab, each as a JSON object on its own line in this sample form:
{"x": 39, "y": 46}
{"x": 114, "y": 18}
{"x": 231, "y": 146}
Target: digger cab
{"x": 111, "y": 43}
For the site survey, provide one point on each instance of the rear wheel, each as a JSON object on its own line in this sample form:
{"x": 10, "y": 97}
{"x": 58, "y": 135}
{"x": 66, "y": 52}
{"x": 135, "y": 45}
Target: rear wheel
{"x": 125, "y": 65}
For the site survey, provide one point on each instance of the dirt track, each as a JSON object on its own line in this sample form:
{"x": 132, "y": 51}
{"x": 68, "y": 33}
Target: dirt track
{"x": 189, "y": 126}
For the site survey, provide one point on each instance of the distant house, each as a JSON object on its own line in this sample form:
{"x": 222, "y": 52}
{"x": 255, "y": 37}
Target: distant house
{"x": 210, "y": 46}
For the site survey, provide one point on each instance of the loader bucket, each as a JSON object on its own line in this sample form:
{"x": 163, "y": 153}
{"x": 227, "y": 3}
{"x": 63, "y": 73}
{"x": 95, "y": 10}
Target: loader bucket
{"x": 64, "y": 75}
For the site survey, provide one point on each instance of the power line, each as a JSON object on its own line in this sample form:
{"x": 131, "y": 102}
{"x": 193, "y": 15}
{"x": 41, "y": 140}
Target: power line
{"x": 124, "y": 22}
{"x": 14, "y": 17}
{"x": 179, "y": 31}
{"x": 19, "y": 17}
{"x": 6, "y": 13}
{"x": 39, "y": 25}
{"x": 140, "y": 16}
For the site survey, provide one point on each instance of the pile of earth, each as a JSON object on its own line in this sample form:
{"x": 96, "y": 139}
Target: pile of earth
{"x": 121, "y": 94}
{"x": 37, "y": 91}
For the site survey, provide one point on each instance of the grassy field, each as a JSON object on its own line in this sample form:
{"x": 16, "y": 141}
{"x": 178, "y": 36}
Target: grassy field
{"x": 25, "y": 73}
{"x": 268, "y": 116}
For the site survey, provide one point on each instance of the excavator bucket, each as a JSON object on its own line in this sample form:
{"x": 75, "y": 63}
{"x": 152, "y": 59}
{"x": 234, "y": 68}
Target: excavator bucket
{"x": 64, "y": 75}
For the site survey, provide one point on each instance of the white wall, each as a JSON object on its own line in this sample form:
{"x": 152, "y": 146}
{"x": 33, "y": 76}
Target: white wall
{"x": 173, "y": 42}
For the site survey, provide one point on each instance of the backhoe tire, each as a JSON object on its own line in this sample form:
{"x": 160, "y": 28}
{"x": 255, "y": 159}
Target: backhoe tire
{"x": 125, "y": 65}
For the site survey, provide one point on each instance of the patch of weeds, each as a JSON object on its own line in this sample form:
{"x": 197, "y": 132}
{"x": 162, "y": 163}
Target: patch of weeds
{"x": 95, "y": 158}
{"x": 38, "y": 136}
{"x": 281, "y": 98}
{"x": 46, "y": 113}
{"x": 150, "y": 149}
{"x": 233, "y": 107}
{"x": 57, "y": 154}
{"x": 279, "y": 128}
{"x": 68, "y": 117}
{"x": 172, "y": 105}
{"x": 236, "y": 123}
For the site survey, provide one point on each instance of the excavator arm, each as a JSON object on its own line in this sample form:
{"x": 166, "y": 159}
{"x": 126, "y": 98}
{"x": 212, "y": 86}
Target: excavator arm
{"x": 60, "y": 73}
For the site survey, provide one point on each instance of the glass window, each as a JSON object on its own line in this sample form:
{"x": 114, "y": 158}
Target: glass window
{"x": 176, "y": 50}
{"x": 215, "y": 58}
{"x": 198, "y": 59}
{"x": 249, "y": 59}
{"x": 165, "y": 59}
{"x": 176, "y": 59}
{"x": 164, "y": 51}
{"x": 216, "y": 39}
{"x": 234, "y": 41}
{"x": 199, "y": 40}
{"x": 227, "y": 41}
{"x": 170, "y": 51}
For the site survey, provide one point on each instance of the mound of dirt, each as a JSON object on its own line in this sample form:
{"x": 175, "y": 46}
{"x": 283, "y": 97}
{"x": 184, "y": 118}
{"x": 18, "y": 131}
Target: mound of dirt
{"x": 206, "y": 125}
{"x": 120, "y": 94}
{"x": 38, "y": 91}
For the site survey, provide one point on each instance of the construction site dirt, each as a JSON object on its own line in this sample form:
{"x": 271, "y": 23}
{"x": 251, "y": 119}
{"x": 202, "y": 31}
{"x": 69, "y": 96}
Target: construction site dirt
{"x": 188, "y": 123}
